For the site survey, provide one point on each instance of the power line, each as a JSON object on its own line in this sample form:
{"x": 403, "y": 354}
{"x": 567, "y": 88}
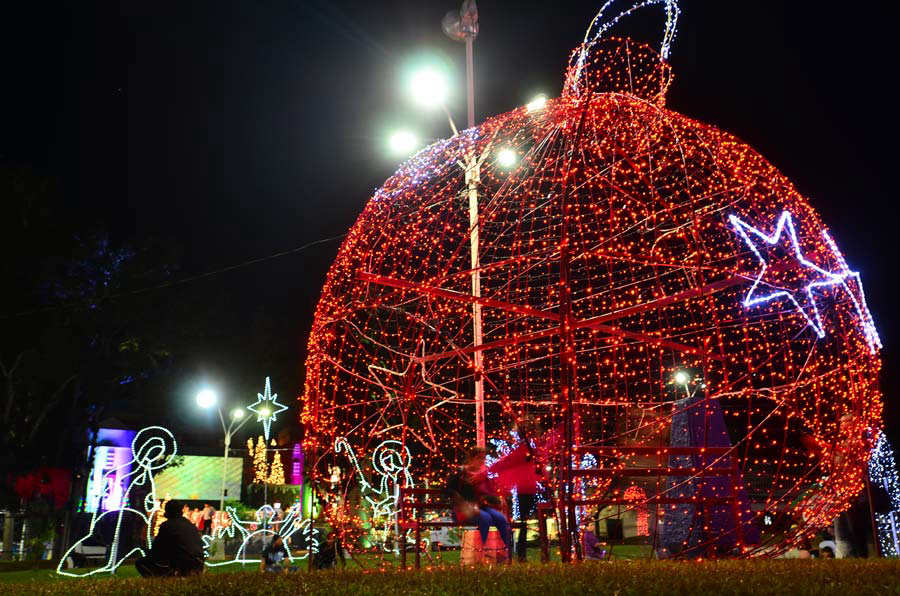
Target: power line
{"x": 184, "y": 280}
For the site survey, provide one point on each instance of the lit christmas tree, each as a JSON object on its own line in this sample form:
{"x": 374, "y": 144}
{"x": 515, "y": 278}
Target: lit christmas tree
{"x": 276, "y": 474}
{"x": 260, "y": 463}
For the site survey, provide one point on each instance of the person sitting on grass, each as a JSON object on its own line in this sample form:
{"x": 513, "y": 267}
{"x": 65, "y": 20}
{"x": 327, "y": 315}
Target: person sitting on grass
{"x": 177, "y": 548}
{"x": 275, "y": 557}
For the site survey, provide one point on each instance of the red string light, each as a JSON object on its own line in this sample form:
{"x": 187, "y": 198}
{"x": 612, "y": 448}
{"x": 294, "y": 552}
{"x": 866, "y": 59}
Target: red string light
{"x": 636, "y": 199}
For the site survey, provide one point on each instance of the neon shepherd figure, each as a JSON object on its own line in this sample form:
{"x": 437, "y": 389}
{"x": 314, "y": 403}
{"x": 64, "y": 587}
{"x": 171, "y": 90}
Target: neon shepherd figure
{"x": 392, "y": 460}
{"x": 153, "y": 449}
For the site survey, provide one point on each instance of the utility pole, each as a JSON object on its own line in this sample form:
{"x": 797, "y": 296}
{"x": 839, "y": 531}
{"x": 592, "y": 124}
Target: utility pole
{"x": 463, "y": 26}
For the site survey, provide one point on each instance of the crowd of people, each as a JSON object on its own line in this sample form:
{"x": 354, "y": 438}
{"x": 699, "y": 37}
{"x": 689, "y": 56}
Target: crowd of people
{"x": 203, "y": 517}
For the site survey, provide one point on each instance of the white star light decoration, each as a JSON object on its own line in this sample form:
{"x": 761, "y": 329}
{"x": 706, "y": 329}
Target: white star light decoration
{"x": 266, "y": 407}
{"x": 826, "y": 278}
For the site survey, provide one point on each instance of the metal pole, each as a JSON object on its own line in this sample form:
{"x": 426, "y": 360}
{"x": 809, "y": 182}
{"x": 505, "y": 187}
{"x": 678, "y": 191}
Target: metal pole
{"x": 224, "y": 471}
{"x": 473, "y": 179}
{"x": 568, "y": 538}
{"x": 470, "y": 79}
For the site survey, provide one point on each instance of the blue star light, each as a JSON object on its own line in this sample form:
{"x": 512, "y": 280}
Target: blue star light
{"x": 824, "y": 278}
{"x": 266, "y": 407}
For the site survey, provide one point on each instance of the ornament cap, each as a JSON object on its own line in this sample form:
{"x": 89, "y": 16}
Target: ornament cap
{"x": 618, "y": 65}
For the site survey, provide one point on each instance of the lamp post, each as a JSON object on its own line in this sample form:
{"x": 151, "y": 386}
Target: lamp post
{"x": 429, "y": 87}
{"x": 207, "y": 399}
{"x": 462, "y": 25}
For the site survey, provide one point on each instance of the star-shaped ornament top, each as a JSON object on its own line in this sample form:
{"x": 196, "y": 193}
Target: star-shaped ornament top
{"x": 766, "y": 289}
{"x": 266, "y": 407}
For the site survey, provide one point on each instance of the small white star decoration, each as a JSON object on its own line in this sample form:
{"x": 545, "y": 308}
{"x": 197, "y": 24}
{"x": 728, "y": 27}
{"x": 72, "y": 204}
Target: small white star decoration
{"x": 266, "y": 407}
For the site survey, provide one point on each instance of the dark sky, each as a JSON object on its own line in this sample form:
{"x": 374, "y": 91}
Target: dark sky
{"x": 241, "y": 129}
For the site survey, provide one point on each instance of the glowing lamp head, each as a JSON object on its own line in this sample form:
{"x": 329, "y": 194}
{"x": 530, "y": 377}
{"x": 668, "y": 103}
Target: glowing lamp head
{"x": 681, "y": 377}
{"x": 428, "y": 87}
{"x": 402, "y": 142}
{"x": 265, "y": 412}
{"x": 506, "y": 158}
{"x": 538, "y": 103}
{"x": 206, "y": 398}
{"x": 237, "y": 413}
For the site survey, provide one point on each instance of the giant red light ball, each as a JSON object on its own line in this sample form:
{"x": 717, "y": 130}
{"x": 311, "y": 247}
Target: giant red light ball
{"x": 657, "y": 245}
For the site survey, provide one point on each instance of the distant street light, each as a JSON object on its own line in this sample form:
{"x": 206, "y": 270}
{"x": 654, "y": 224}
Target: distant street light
{"x": 207, "y": 398}
{"x": 681, "y": 377}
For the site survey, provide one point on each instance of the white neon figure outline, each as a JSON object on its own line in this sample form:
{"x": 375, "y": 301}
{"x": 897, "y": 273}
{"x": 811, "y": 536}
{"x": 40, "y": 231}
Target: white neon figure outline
{"x": 266, "y": 407}
{"x": 150, "y": 452}
{"x": 828, "y": 278}
{"x": 388, "y": 460}
{"x": 292, "y": 522}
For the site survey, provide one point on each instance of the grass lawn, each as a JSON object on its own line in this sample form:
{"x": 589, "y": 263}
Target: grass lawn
{"x": 847, "y": 577}
{"x": 368, "y": 561}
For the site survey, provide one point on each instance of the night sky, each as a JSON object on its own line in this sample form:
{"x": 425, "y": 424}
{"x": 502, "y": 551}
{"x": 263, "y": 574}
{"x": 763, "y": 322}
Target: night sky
{"x": 242, "y": 129}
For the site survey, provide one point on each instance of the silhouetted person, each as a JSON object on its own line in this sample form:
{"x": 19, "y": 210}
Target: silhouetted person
{"x": 177, "y": 548}
{"x": 275, "y": 557}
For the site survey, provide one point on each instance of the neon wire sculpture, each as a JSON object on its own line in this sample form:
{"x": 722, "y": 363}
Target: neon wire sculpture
{"x": 266, "y": 408}
{"x": 153, "y": 448}
{"x": 260, "y": 530}
{"x": 626, "y": 243}
{"x": 391, "y": 460}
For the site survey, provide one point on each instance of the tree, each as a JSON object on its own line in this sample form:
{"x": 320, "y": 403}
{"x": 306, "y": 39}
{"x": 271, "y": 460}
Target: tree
{"x": 81, "y": 334}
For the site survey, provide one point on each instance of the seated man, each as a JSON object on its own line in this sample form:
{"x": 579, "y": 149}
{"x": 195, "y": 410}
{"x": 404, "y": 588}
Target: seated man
{"x": 177, "y": 548}
{"x": 274, "y": 556}
{"x": 475, "y": 501}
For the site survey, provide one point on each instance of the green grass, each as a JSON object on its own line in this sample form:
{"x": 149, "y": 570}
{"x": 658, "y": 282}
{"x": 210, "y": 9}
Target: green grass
{"x": 795, "y": 576}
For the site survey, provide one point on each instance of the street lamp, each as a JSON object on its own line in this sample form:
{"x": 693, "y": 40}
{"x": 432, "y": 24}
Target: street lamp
{"x": 429, "y": 87}
{"x": 538, "y": 103}
{"x": 506, "y": 157}
{"x": 462, "y": 26}
{"x": 691, "y": 383}
{"x": 402, "y": 142}
{"x": 206, "y": 399}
